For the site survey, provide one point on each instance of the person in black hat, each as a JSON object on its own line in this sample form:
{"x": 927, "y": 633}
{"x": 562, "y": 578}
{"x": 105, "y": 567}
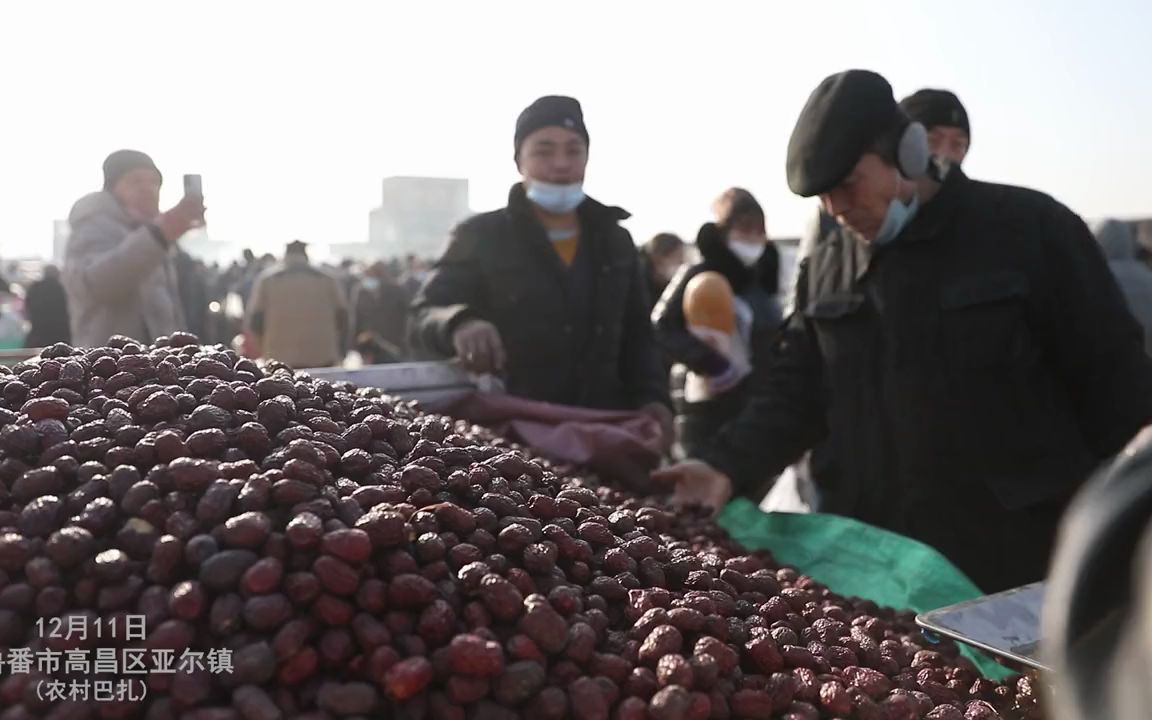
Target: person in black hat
{"x": 118, "y": 266}
{"x": 959, "y": 346}
{"x": 944, "y": 117}
{"x": 548, "y": 291}
{"x": 949, "y": 137}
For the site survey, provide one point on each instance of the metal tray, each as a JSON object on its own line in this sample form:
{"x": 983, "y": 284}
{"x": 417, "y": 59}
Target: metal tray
{"x": 419, "y": 381}
{"x": 1006, "y": 624}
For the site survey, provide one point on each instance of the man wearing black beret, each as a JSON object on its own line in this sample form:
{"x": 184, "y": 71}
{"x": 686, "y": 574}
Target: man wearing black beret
{"x": 548, "y": 291}
{"x": 944, "y": 117}
{"x": 960, "y": 347}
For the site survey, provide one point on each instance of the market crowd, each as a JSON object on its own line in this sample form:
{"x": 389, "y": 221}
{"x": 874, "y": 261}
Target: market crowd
{"x": 954, "y": 359}
{"x": 35, "y": 308}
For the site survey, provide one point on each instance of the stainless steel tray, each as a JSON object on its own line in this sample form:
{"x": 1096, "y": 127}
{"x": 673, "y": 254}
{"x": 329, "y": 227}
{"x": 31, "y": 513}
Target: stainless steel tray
{"x": 420, "y": 381}
{"x": 1006, "y": 624}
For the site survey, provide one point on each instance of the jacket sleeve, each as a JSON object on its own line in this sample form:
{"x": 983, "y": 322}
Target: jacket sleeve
{"x": 641, "y": 367}
{"x": 106, "y": 266}
{"x": 784, "y": 416}
{"x": 1099, "y": 346}
{"x": 812, "y": 234}
{"x": 453, "y": 292}
{"x": 672, "y": 330}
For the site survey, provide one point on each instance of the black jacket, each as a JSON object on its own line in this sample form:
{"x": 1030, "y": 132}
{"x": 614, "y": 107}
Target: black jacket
{"x": 758, "y": 286}
{"x": 47, "y": 308}
{"x": 575, "y": 336}
{"x": 968, "y": 377}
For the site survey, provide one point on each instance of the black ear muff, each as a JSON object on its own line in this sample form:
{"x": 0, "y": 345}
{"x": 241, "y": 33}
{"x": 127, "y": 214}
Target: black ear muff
{"x": 912, "y": 153}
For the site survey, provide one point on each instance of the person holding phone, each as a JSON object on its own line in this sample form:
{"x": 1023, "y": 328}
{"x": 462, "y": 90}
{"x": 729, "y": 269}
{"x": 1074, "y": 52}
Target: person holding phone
{"x": 118, "y": 269}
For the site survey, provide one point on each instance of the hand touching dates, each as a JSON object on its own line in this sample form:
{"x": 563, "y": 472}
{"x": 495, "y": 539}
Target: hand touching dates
{"x": 479, "y": 347}
{"x": 696, "y": 483}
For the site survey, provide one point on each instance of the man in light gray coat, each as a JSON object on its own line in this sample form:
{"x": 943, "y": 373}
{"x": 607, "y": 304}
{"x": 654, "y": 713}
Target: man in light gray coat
{"x": 118, "y": 269}
{"x": 1134, "y": 278}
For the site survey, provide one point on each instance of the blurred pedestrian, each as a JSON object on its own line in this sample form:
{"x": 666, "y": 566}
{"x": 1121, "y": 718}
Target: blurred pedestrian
{"x": 944, "y": 117}
{"x": 1134, "y": 278}
{"x": 192, "y": 284}
{"x": 118, "y": 269}
{"x": 297, "y": 314}
{"x": 381, "y": 306}
{"x": 46, "y": 306}
{"x": 660, "y": 258}
{"x": 13, "y": 326}
{"x": 415, "y": 273}
{"x": 721, "y": 317}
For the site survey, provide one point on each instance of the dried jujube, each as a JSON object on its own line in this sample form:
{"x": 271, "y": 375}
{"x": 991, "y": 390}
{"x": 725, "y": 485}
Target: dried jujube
{"x": 358, "y": 556}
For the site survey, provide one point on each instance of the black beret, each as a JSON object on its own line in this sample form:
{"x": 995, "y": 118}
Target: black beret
{"x": 845, "y": 115}
{"x": 122, "y": 162}
{"x": 936, "y": 108}
{"x": 550, "y": 111}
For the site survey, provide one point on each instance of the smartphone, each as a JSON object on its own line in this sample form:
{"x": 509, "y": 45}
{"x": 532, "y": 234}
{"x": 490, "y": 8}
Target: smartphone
{"x": 1006, "y": 624}
{"x": 193, "y": 186}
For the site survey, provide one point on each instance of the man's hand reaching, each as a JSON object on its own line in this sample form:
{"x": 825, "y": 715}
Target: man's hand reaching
{"x": 695, "y": 483}
{"x": 478, "y": 345}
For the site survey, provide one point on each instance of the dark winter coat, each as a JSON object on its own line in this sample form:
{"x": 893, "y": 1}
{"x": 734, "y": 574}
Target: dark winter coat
{"x": 968, "y": 377}
{"x": 576, "y": 335}
{"x": 46, "y": 307}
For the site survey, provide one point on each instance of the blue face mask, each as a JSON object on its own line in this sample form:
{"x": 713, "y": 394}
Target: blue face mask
{"x": 898, "y": 217}
{"x": 555, "y": 198}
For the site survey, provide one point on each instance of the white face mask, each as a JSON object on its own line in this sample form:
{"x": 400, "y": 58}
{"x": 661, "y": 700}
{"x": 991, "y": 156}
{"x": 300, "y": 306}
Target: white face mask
{"x": 896, "y": 219}
{"x": 748, "y": 251}
{"x": 555, "y": 198}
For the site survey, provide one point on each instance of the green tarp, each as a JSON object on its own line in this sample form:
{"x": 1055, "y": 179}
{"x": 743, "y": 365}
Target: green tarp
{"x": 856, "y": 559}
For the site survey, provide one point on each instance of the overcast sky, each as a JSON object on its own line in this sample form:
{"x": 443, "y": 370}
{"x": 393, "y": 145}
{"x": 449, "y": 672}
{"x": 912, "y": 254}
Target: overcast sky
{"x": 294, "y": 111}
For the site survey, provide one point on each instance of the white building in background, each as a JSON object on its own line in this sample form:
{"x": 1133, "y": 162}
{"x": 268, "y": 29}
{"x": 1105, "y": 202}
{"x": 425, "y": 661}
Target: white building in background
{"x": 415, "y": 217}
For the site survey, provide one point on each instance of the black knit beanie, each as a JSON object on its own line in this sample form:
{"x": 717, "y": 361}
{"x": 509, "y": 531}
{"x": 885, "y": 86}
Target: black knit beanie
{"x": 549, "y": 111}
{"x": 122, "y": 162}
{"x": 937, "y": 108}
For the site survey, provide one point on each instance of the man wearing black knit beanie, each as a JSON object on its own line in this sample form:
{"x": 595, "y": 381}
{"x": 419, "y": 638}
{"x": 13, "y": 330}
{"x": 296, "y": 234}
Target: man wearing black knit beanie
{"x": 944, "y": 117}
{"x": 547, "y": 291}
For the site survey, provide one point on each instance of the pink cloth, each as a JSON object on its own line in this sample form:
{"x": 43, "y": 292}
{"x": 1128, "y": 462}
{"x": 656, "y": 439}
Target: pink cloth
{"x": 620, "y": 446}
